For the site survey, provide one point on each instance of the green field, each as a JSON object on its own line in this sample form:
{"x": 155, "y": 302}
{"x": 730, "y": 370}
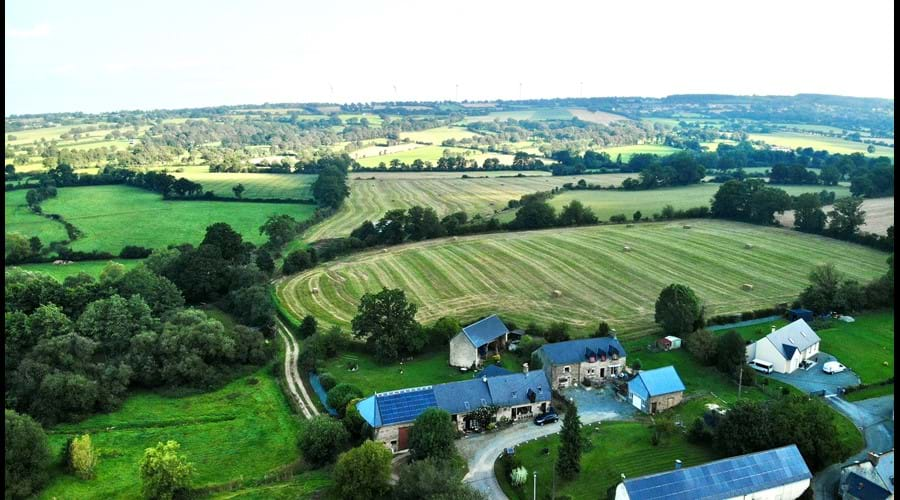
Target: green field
{"x": 831, "y": 144}
{"x": 438, "y": 135}
{"x": 426, "y": 369}
{"x": 305, "y": 485}
{"x": 286, "y": 186}
{"x": 607, "y": 203}
{"x": 863, "y": 345}
{"x": 112, "y": 217}
{"x": 525, "y": 114}
{"x": 92, "y": 267}
{"x": 19, "y": 219}
{"x": 243, "y": 430}
{"x": 370, "y": 199}
{"x": 628, "y": 151}
{"x": 514, "y": 274}
{"x": 408, "y": 153}
{"x": 615, "y": 448}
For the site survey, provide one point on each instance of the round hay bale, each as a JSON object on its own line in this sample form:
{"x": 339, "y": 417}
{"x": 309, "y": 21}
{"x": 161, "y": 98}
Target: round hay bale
{"x": 748, "y": 246}
{"x": 384, "y": 250}
{"x": 315, "y": 290}
{"x": 629, "y": 225}
{"x": 686, "y": 226}
{"x": 456, "y": 238}
{"x": 747, "y": 286}
{"x": 626, "y": 248}
{"x": 556, "y": 293}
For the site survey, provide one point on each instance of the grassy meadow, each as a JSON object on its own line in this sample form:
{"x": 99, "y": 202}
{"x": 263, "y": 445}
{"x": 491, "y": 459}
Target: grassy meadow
{"x": 286, "y": 186}
{"x": 20, "y": 219}
{"x": 91, "y": 267}
{"x": 607, "y": 203}
{"x": 446, "y": 193}
{"x": 243, "y": 430}
{"x": 795, "y": 140}
{"x": 628, "y": 151}
{"x": 514, "y": 274}
{"x": 438, "y": 135}
{"x": 112, "y": 217}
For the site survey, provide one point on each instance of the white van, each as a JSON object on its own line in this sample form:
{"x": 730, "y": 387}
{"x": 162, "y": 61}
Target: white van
{"x": 762, "y": 366}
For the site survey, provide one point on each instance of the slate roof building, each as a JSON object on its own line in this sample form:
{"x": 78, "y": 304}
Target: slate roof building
{"x": 596, "y": 360}
{"x": 779, "y": 473}
{"x": 787, "y": 348}
{"x": 653, "y": 391}
{"x": 872, "y": 479}
{"x": 516, "y": 396}
{"x": 475, "y": 342}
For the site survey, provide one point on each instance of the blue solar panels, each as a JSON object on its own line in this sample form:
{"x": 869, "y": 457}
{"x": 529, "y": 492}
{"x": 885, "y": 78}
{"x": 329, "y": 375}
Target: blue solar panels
{"x": 405, "y": 405}
{"x": 727, "y": 478}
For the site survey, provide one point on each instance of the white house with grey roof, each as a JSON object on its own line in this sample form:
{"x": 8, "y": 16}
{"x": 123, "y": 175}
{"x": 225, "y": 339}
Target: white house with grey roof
{"x": 787, "y": 348}
{"x": 474, "y": 343}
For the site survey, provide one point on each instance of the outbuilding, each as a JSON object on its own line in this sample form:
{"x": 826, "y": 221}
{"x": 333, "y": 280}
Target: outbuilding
{"x": 657, "y": 390}
{"x": 669, "y": 343}
{"x": 800, "y": 313}
{"x": 474, "y": 343}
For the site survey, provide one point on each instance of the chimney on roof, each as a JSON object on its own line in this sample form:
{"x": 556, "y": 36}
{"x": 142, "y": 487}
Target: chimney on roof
{"x": 677, "y": 464}
{"x": 874, "y": 457}
{"x": 484, "y": 378}
{"x": 613, "y": 333}
{"x": 525, "y": 368}
{"x": 773, "y": 329}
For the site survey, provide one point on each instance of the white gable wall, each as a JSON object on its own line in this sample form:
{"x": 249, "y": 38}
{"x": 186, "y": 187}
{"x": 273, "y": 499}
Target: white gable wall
{"x": 767, "y": 351}
{"x": 462, "y": 352}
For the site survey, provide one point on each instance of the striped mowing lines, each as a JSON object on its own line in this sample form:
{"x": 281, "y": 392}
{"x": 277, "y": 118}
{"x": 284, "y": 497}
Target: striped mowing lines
{"x": 371, "y": 198}
{"x": 514, "y": 274}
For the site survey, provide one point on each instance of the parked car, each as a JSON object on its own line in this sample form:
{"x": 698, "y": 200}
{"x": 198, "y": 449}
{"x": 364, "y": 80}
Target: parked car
{"x": 546, "y": 418}
{"x": 833, "y": 367}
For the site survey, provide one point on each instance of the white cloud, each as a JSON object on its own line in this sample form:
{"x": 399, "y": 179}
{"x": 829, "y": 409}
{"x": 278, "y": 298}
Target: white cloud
{"x": 36, "y": 31}
{"x": 63, "y": 69}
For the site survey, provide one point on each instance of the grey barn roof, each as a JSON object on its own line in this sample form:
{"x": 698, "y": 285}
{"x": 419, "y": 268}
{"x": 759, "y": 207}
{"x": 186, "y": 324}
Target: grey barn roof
{"x": 485, "y": 331}
{"x": 576, "y": 351}
{"x": 731, "y": 477}
{"x": 795, "y": 335}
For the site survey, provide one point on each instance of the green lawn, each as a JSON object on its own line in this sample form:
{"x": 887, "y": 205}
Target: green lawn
{"x": 616, "y": 448}
{"x": 243, "y": 430}
{"x": 305, "y": 485}
{"x": 426, "y": 369}
{"x": 870, "y": 392}
{"x": 114, "y": 216}
{"x": 92, "y": 267}
{"x": 19, "y": 219}
{"x": 607, "y": 203}
{"x": 862, "y": 346}
{"x": 628, "y": 151}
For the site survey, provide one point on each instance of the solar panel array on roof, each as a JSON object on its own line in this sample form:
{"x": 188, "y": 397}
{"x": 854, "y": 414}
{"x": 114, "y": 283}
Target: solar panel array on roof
{"x": 727, "y": 478}
{"x": 405, "y": 405}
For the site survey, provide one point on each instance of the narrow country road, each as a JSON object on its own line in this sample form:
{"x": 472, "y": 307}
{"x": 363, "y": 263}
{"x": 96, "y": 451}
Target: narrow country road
{"x": 874, "y": 418}
{"x": 292, "y": 374}
{"x": 482, "y": 450}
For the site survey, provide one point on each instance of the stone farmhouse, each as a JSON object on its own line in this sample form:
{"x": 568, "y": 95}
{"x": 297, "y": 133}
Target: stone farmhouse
{"x": 474, "y": 343}
{"x": 568, "y": 363}
{"x": 653, "y": 391}
{"x": 515, "y": 395}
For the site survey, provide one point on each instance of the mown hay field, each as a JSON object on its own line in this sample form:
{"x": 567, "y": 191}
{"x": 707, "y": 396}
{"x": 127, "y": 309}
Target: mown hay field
{"x": 370, "y": 199}
{"x": 62, "y": 271}
{"x": 438, "y": 135}
{"x": 112, "y": 217}
{"x": 286, "y": 186}
{"x": 514, "y": 274}
{"x": 240, "y": 431}
{"x": 606, "y": 203}
{"x": 410, "y": 152}
{"x": 628, "y": 151}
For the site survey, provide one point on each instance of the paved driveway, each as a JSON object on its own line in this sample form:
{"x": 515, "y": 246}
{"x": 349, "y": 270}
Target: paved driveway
{"x": 815, "y": 379}
{"x": 482, "y": 450}
{"x": 873, "y": 417}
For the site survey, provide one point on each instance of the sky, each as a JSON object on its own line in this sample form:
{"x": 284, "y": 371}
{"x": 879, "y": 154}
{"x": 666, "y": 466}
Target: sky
{"x": 95, "y": 56}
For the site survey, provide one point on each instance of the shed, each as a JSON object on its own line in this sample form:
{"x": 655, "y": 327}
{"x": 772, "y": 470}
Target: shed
{"x": 668, "y": 343}
{"x": 656, "y": 390}
{"x": 795, "y": 314}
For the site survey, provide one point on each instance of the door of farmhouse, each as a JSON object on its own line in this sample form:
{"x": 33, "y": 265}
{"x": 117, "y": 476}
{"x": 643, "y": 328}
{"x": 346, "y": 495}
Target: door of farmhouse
{"x": 402, "y": 438}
